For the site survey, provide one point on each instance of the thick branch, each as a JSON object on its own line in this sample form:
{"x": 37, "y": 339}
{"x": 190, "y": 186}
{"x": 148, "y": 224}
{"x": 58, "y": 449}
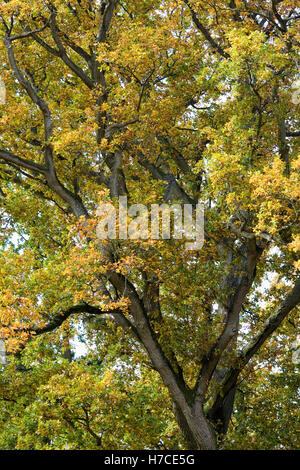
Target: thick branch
{"x": 10, "y": 158}
{"x": 29, "y": 88}
{"x": 64, "y": 56}
{"x": 238, "y": 283}
{"x": 271, "y": 324}
{"x": 175, "y": 154}
{"x": 59, "y": 319}
{"x": 29, "y": 33}
{"x": 205, "y": 32}
{"x": 108, "y": 10}
{"x": 74, "y": 201}
{"x": 172, "y": 380}
{"x": 173, "y": 191}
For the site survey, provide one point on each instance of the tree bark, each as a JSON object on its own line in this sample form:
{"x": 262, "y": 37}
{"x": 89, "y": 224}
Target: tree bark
{"x": 196, "y": 430}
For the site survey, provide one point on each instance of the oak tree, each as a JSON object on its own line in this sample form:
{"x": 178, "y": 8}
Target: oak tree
{"x": 174, "y": 101}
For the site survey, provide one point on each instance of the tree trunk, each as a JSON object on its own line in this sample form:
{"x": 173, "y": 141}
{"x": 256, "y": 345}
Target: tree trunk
{"x": 196, "y": 430}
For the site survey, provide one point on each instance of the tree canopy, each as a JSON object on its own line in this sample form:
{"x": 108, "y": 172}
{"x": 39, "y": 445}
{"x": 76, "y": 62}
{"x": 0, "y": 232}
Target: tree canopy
{"x": 174, "y": 101}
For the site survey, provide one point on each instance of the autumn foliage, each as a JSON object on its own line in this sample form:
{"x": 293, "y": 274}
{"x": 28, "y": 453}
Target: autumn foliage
{"x": 132, "y": 344}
